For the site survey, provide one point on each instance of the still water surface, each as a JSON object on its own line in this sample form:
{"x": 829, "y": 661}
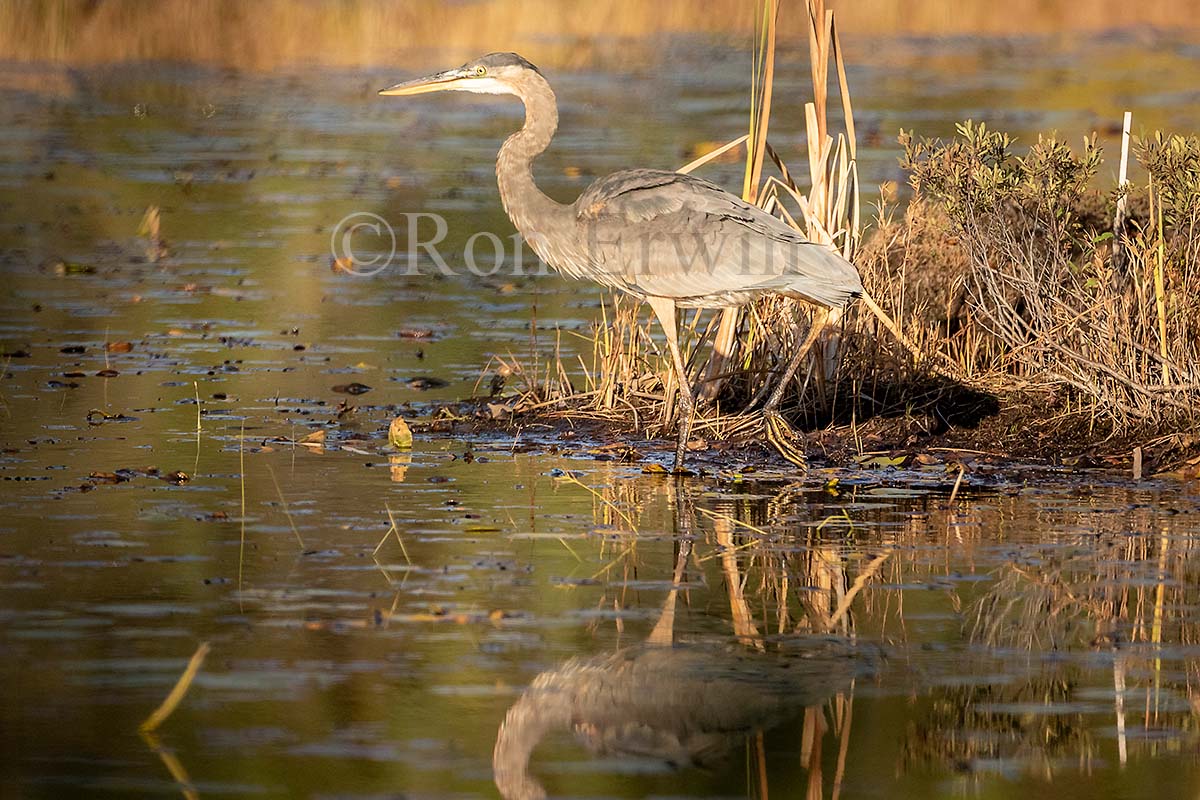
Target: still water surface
{"x": 1035, "y": 638}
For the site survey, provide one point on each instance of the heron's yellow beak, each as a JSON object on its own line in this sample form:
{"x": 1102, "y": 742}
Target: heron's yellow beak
{"x": 441, "y": 82}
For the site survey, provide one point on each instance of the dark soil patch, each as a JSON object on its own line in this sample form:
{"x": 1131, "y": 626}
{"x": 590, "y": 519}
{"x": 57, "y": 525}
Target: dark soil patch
{"x": 958, "y": 425}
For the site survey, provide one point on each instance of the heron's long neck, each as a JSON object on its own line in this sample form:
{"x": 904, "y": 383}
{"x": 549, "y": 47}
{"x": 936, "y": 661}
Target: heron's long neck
{"x": 532, "y": 212}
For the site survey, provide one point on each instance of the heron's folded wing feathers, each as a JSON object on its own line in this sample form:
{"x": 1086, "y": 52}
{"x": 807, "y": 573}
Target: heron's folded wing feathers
{"x": 671, "y": 235}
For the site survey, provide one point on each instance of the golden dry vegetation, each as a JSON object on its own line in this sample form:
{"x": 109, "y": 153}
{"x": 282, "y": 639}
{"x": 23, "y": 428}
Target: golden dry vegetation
{"x": 272, "y": 33}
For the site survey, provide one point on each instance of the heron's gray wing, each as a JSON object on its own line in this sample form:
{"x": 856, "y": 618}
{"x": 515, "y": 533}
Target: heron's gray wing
{"x": 666, "y": 234}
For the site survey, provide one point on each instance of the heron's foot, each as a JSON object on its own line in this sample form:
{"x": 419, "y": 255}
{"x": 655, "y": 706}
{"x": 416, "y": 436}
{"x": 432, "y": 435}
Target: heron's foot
{"x": 785, "y": 440}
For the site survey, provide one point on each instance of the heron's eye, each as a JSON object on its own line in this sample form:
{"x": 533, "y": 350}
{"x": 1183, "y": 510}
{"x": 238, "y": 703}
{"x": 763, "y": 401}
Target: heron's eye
{"x": 480, "y": 71}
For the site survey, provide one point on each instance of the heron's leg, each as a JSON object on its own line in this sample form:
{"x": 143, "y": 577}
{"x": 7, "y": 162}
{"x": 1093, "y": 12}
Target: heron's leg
{"x": 664, "y": 309}
{"x": 820, "y": 317}
{"x": 778, "y": 432}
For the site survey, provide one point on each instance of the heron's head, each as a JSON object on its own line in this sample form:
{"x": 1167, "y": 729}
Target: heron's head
{"x": 495, "y": 73}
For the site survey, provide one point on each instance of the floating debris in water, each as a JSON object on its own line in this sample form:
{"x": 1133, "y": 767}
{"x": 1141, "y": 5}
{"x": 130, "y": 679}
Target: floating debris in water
{"x": 400, "y": 435}
{"x": 98, "y": 417}
{"x": 73, "y": 268}
{"x": 423, "y": 382}
{"x": 156, "y": 246}
{"x": 314, "y": 441}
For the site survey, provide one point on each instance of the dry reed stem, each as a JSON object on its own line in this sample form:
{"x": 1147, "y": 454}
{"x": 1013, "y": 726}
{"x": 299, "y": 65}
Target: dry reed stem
{"x": 859, "y": 582}
{"x": 196, "y": 388}
{"x": 743, "y": 619}
{"x": 174, "y": 766}
{"x": 393, "y": 529}
{"x": 242, "y": 517}
{"x": 571, "y": 479}
{"x": 178, "y": 691}
{"x": 1121, "y": 215}
{"x": 712, "y": 154}
{"x": 950, "y": 369}
{"x": 283, "y": 502}
{"x": 1160, "y": 294}
{"x": 962, "y": 470}
{"x": 761, "y": 116}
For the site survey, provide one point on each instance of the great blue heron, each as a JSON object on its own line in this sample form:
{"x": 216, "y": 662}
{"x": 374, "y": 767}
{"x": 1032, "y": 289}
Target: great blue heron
{"x": 671, "y": 239}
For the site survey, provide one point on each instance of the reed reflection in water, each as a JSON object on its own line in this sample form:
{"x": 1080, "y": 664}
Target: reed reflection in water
{"x": 1018, "y": 688}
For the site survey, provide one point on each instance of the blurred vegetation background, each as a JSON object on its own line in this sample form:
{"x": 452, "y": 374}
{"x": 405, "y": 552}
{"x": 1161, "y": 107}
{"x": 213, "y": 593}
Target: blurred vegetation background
{"x": 269, "y": 34}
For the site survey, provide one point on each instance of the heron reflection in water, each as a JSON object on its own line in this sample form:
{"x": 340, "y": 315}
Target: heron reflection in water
{"x": 671, "y": 239}
{"x": 683, "y": 705}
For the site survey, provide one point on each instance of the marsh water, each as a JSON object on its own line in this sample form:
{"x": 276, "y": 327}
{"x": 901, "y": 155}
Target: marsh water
{"x": 503, "y": 613}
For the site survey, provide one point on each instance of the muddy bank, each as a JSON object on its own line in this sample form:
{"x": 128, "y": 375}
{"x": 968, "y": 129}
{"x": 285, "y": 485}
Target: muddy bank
{"x": 1016, "y": 434}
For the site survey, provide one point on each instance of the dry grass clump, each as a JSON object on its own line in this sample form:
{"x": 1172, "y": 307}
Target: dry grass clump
{"x": 1057, "y": 301}
{"x": 896, "y": 258}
